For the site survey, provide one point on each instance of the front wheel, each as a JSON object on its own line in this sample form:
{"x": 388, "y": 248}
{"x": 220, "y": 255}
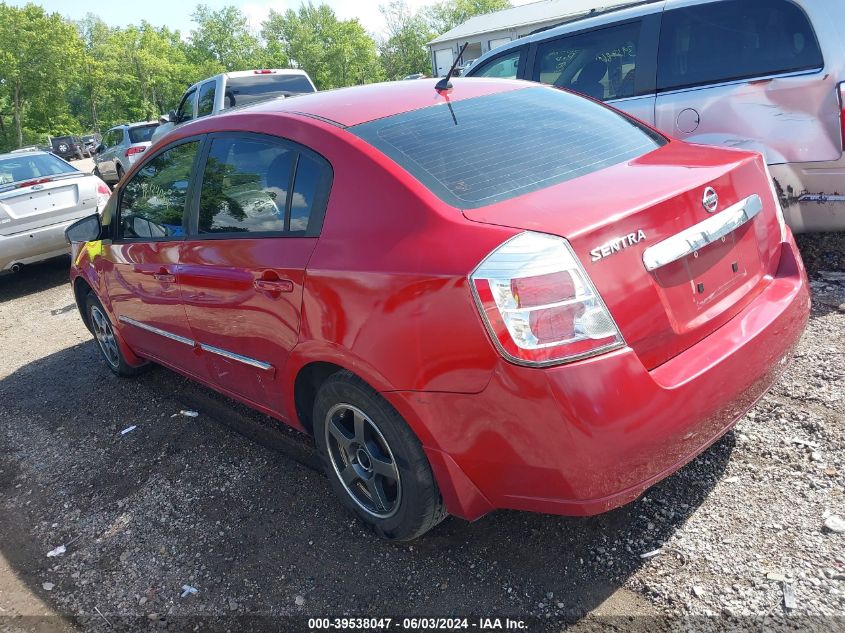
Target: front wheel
{"x": 374, "y": 461}
{"x": 107, "y": 340}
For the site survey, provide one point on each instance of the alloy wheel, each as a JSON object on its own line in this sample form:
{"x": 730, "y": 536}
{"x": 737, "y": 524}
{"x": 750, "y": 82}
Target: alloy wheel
{"x": 363, "y": 461}
{"x": 105, "y": 337}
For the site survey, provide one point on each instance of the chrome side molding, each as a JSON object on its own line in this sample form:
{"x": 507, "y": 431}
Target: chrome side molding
{"x": 700, "y": 235}
{"x": 246, "y": 360}
{"x": 155, "y": 330}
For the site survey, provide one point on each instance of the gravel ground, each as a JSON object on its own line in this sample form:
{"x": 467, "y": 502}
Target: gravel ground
{"x": 230, "y": 504}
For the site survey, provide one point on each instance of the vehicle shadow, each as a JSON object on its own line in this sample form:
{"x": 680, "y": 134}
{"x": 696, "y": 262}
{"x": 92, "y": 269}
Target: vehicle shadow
{"x": 253, "y": 525}
{"x": 34, "y": 278}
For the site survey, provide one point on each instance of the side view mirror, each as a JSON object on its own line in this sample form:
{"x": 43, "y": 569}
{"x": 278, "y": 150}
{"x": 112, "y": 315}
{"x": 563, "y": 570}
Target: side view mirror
{"x": 87, "y": 229}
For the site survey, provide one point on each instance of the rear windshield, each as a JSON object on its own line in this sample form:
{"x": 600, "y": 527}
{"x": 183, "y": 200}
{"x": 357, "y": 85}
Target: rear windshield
{"x": 142, "y": 133}
{"x": 31, "y": 166}
{"x": 478, "y": 151}
{"x": 241, "y": 91}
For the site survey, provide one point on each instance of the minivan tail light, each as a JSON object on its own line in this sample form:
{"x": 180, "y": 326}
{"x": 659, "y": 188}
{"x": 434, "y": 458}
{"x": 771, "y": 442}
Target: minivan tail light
{"x": 539, "y": 305}
{"x": 134, "y": 150}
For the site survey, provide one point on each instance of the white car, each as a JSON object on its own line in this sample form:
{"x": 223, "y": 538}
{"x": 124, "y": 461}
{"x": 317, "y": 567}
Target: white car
{"x": 228, "y": 90}
{"x": 40, "y": 196}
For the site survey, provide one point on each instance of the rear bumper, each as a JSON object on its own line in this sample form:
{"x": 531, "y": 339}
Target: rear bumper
{"x": 812, "y": 195}
{"x": 587, "y": 437}
{"x": 34, "y": 246}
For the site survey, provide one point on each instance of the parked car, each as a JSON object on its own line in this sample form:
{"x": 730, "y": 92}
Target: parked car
{"x": 32, "y": 148}
{"x": 554, "y": 328}
{"x": 765, "y": 75}
{"x": 40, "y": 195}
{"x": 121, "y": 147}
{"x": 229, "y": 90}
{"x": 69, "y": 147}
{"x": 92, "y": 142}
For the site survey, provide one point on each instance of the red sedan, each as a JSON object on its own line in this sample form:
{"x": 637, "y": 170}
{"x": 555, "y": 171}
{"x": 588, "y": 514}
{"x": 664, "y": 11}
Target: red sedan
{"x": 496, "y": 296}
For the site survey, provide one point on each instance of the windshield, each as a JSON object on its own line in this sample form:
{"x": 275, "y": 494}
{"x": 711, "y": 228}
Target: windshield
{"x": 31, "y": 167}
{"x": 478, "y": 151}
{"x": 142, "y": 133}
{"x": 242, "y": 91}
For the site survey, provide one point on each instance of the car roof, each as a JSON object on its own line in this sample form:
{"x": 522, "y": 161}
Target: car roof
{"x": 359, "y": 104}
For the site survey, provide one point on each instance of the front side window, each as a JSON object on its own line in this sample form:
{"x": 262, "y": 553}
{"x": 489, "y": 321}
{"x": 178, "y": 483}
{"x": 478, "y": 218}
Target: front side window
{"x": 247, "y": 183}
{"x": 504, "y": 67}
{"x": 601, "y": 64}
{"x": 733, "y": 40}
{"x": 186, "y": 108}
{"x": 152, "y": 203}
{"x": 205, "y": 105}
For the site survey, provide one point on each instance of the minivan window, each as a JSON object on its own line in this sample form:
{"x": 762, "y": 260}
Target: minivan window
{"x": 478, "y": 151}
{"x": 142, "y": 133}
{"x": 601, "y": 64}
{"x": 733, "y": 40}
{"x": 504, "y": 67}
{"x": 152, "y": 203}
{"x": 242, "y": 91}
{"x": 205, "y": 105}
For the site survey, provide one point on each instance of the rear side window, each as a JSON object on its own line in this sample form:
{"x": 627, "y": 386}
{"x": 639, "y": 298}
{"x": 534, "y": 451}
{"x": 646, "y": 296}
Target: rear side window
{"x": 152, "y": 204}
{"x": 732, "y": 40}
{"x": 601, "y": 64}
{"x": 242, "y": 91}
{"x": 504, "y": 67}
{"x": 254, "y": 185}
{"x": 142, "y": 133}
{"x": 205, "y": 106}
{"x": 483, "y": 150}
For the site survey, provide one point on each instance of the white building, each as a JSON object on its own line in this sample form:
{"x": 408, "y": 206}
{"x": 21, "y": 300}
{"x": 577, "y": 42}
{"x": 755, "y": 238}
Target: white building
{"x": 484, "y": 32}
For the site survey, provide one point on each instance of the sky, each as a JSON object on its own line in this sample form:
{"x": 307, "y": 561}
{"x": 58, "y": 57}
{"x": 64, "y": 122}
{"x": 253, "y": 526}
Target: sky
{"x": 177, "y": 15}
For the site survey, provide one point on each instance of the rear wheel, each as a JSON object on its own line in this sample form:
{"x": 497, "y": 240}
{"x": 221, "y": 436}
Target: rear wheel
{"x": 119, "y": 172}
{"x": 79, "y": 154}
{"x": 106, "y": 338}
{"x": 374, "y": 461}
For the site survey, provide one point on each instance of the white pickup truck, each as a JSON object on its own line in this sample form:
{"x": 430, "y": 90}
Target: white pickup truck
{"x": 228, "y": 90}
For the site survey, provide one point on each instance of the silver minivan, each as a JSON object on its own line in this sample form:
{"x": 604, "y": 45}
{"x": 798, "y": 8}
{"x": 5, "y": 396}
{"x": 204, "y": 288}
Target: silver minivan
{"x": 121, "y": 147}
{"x": 764, "y": 75}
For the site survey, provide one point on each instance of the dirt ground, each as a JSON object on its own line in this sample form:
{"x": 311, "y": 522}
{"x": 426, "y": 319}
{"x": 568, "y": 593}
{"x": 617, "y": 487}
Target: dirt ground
{"x": 230, "y": 504}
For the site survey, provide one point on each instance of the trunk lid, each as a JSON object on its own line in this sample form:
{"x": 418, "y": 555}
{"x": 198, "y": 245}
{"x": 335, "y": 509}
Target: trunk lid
{"x": 612, "y": 216}
{"x": 47, "y": 201}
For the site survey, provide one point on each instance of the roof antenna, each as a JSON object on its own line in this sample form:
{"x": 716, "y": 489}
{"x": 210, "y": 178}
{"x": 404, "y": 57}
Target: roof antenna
{"x": 445, "y": 84}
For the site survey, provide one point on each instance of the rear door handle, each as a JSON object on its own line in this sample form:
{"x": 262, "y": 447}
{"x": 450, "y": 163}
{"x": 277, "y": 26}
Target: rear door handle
{"x": 273, "y": 285}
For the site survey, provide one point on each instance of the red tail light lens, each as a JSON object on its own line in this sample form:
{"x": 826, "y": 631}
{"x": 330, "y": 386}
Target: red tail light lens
{"x": 103, "y": 194}
{"x": 263, "y": 72}
{"x": 539, "y": 305}
{"x": 134, "y": 150}
{"x": 842, "y": 109}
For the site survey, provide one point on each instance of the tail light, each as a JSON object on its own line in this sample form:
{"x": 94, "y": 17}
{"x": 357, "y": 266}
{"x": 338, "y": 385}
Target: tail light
{"x": 103, "y": 194}
{"x": 778, "y": 205}
{"x": 134, "y": 150}
{"x": 539, "y": 305}
{"x": 842, "y": 111}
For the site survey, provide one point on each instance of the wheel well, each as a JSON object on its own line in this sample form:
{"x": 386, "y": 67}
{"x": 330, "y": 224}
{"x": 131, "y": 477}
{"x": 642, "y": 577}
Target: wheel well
{"x": 80, "y": 291}
{"x": 305, "y": 388}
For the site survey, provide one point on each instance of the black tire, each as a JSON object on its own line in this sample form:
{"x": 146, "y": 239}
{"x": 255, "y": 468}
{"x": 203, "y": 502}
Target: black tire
{"x": 97, "y": 173}
{"x": 102, "y": 328}
{"x": 119, "y": 171}
{"x": 79, "y": 154}
{"x": 412, "y": 504}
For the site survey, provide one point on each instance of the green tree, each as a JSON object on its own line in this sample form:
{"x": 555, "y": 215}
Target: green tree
{"x": 448, "y": 14}
{"x": 40, "y": 58}
{"x": 404, "y": 51}
{"x": 333, "y": 52}
{"x": 225, "y": 38}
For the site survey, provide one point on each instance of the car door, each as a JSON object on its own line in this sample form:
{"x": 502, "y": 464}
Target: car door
{"x": 141, "y": 263}
{"x": 611, "y": 63}
{"x": 258, "y": 213}
{"x": 747, "y": 74}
